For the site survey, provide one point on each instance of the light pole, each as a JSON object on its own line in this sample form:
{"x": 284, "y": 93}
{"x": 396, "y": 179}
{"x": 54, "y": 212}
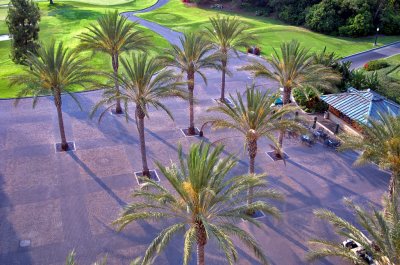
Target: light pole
{"x": 376, "y": 36}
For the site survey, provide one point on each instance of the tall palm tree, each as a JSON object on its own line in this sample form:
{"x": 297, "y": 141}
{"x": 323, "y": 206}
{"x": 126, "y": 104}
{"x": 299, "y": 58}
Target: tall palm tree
{"x": 380, "y": 234}
{"x": 293, "y": 67}
{"x": 193, "y": 55}
{"x": 53, "y": 70}
{"x": 114, "y": 35}
{"x": 253, "y": 118}
{"x": 204, "y": 204}
{"x": 146, "y": 82}
{"x": 228, "y": 34}
{"x": 380, "y": 145}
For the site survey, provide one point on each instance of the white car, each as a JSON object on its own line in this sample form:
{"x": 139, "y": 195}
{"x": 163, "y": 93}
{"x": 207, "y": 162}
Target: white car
{"x": 356, "y": 247}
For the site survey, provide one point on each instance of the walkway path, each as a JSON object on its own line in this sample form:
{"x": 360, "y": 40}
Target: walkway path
{"x": 359, "y": 59}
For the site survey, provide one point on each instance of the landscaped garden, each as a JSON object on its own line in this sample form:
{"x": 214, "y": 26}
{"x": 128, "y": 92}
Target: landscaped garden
{"x": 70, "y": 165}
{"x": 64, "y": 21}
{"x": 272, "y": 32}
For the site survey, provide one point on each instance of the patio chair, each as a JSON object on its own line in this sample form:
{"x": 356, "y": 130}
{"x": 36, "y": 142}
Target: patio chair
{"x": 307, "y": 140}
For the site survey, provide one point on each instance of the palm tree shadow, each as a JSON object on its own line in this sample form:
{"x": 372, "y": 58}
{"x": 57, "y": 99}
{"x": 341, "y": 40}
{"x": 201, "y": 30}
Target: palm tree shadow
{"x": 20, "y": 257}
{"x": 321, "y": 177}
{"x": 159, "y": 138}
{"x": 122, "y": 136}
{"x": 97, "y": 179}
{"x": 236, "y": 156}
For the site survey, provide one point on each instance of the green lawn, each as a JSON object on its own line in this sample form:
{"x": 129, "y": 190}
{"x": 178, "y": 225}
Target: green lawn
{"x": 394, "y": 62}
{"x": 64, "y": 21}
{"x": 96, "y": 2}
{"x": 272, "y": 32}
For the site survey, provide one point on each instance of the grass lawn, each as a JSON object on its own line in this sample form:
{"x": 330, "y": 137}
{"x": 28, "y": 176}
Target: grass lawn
{"x": 272, "y": 32}
{"x": 63, "y": 22}
{"x": 390, "y": 78}
{"x": 394, "y": 62}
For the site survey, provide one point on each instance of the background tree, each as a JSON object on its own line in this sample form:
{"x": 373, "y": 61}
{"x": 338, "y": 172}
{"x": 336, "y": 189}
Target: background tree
{"x": 146, "y": 82}
{"x": 205, "y": 204}
{"x": 193, "y": 55}
{"x": 228, "y": 34}
{"x": 380, "y": 234}
{"x": 293, "y": 67}
{"x": 254, "y": 118}
{"x": 114, "y": 35}
{"x": 54, "y": 70}
{"x": 23, "y": 26}
{"x": 380, "y": 145}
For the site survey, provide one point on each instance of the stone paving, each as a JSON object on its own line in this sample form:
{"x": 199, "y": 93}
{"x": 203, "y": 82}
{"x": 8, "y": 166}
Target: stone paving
{"x": 65, "y": 201}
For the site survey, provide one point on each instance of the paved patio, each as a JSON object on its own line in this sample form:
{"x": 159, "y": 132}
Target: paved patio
{"x": 65, "y": 201}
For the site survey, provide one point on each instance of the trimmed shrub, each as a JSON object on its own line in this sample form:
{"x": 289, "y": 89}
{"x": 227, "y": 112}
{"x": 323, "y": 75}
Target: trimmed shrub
{"x": 376, "y": 65}
{"x": 309, "y": 101}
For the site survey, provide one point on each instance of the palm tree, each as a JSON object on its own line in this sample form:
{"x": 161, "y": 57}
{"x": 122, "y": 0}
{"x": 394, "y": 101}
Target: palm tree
{"x": 253, "y": 118}
{"x": 380, "y": 145}
{"x": 70, "y": 260}
{"x": 146, "y": 82}
{"x": 192, "y": 56}
{"x": 380, "y": 234}
{"x": 228, "y": 34}
{"x": 293, "y": 68}
{"x": 204, "y": 204}
{"x": 114, "y": 35}
{"x": 53, "y": 70}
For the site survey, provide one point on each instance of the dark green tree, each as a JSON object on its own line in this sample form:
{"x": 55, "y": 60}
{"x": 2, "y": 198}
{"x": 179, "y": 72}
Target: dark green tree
{"x": 23, "y": 25}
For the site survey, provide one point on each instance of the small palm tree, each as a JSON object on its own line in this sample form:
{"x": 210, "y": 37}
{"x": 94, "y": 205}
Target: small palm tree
{"x": 380, "y": 235}
{"x": 380, "y": 145}
{"x": 70, "y": 260}
{"x": 293, "y": 67}
{"x": 193, "y": 55}
{"x": 204, "y": 204}
{"x": 228, "y": 34}
{"x": 53, "y": 70}
{"x": 146, "y": 82}
{"x": 114, "y": 35}
{"x": 254, "y": 118}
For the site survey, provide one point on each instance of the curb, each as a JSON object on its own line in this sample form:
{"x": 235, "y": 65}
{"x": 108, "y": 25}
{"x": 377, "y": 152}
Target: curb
{"x": 370, "y": 50}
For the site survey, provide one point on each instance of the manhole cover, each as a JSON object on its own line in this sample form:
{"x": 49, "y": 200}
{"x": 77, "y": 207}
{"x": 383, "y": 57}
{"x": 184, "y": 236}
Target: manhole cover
{"x": 24, "y": 243}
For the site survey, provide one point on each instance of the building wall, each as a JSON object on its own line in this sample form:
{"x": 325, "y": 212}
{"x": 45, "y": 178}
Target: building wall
{"x": 343, "y": 125}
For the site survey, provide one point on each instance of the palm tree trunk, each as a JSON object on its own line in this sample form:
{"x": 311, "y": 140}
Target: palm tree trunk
{"x": 190, "y": 78}
{"x": 201, "y": 243}
{"x": 252, "y": 151}
{"x": 115, "y": 64}
{"x": 287, "y": 91}
{"x": 58, "y": 103}
{"x": 51, "y": 2}
{"x": 140, "y": 124}
{"x": 392, "y": 185}
{"x": 224, "y": 63}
